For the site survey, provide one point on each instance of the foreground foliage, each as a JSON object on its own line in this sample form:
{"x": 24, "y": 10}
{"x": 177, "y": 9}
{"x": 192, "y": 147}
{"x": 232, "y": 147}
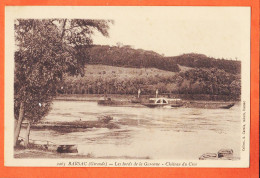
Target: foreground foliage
{"x": 46, "y": 50}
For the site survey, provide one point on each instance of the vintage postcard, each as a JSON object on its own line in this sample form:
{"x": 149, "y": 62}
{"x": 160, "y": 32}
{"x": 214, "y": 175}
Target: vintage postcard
{"x": 127, "y": 86}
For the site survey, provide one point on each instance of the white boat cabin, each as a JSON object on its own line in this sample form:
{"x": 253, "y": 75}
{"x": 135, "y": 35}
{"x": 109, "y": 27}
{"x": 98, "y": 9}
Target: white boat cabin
{"x": 158, "y": 100}
{"x": 164, "y": 100}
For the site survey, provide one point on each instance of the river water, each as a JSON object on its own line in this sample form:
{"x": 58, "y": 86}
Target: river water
{"x": 151, "y": 133}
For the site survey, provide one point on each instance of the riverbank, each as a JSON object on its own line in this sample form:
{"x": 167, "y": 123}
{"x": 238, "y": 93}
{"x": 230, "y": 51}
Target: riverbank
{"x": 37, "y": 153}
{"x": 185, "y": 97}
{"x": 131, "y": 101}
{"x": 103, "y": 122}
{"x": 93, "y": 97}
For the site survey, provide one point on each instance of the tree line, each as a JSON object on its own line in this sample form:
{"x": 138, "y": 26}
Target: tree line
{"x": 192, "y": 82}
{"x": 202, "y": 61}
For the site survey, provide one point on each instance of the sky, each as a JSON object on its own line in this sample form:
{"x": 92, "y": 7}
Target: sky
{"x": 216, "y": 32}
{"x": 220, "y": 32}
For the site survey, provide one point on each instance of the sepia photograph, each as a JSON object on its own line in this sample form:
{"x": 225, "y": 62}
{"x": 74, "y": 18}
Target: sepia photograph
{"x": 127, "y": 86}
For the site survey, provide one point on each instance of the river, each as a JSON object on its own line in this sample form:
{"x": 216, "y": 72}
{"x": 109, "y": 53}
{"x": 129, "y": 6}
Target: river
{"x": 151, "y": 133}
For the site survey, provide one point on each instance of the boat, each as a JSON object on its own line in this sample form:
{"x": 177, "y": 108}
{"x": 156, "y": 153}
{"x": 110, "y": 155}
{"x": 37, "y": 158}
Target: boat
{"x": 209, "y": 105}
{"x": 175, "y": 102}
{"x": 67, "y": 149}
{"x": 110, "y": 102}
{"x": 136, "y": 100}
{"x": 227, "y": 106}
{"x": 162, "y": 102}
{"x": 106, "y": 101}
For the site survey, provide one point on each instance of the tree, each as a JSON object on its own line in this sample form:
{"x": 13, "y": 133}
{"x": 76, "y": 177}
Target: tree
{"x": 46, "y": 51}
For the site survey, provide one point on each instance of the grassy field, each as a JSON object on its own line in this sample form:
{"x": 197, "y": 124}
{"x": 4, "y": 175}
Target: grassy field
{"x": 109, "y": 72}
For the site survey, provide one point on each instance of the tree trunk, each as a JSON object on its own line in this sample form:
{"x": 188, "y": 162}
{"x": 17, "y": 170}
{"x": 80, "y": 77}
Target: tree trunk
{"x": 63, "y": 29}
{"x": 19, "y": 123}
{"x": 27, "y": 135}
{"x": 15, "y": 123}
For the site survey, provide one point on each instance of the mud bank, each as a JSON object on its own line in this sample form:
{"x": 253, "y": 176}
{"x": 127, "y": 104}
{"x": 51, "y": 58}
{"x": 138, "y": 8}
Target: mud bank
{"x": 75, "y": 125}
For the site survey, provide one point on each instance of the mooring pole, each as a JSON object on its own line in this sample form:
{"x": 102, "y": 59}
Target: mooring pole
{"x": 139, "y": 92}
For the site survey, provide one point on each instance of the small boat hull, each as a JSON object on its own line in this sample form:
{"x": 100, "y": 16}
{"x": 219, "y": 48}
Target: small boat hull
{"x": 153, "y": 105}
{"x": 106, "y": 102}
{"x": 176, "y": 105}
{"x": 209, "y": 105}
{"x": 67, "y": 149}
{"x": 110, "y": 102}
{"x": 227, "y": 106}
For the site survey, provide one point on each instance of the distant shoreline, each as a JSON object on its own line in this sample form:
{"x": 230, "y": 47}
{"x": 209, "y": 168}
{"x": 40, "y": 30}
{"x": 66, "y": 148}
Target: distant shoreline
{"x": 127, "y": 97}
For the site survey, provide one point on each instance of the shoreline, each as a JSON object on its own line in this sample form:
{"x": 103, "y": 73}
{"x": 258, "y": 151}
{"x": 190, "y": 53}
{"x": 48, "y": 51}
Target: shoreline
{"x": 130, "y": 101}
{"x": 127, "y": 97}
{"x": 34, "y": 153}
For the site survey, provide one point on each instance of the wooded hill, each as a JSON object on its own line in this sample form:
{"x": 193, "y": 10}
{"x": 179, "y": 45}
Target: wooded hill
{"x": 123, "y": 70}
{"x": 126, "y": 56}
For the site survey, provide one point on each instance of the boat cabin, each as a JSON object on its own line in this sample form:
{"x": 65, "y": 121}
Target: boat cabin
{"x": 175, "y": 101}
{"x": 158, "y": 100}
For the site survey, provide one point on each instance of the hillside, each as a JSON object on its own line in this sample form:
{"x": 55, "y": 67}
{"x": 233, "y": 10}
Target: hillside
{"x": 128, "y": 57}
{"x": 116, "y": 80}
{"x": 202, "y": 61}
{"x": 123, "y": 70}
{"x": 122, "y": 73}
